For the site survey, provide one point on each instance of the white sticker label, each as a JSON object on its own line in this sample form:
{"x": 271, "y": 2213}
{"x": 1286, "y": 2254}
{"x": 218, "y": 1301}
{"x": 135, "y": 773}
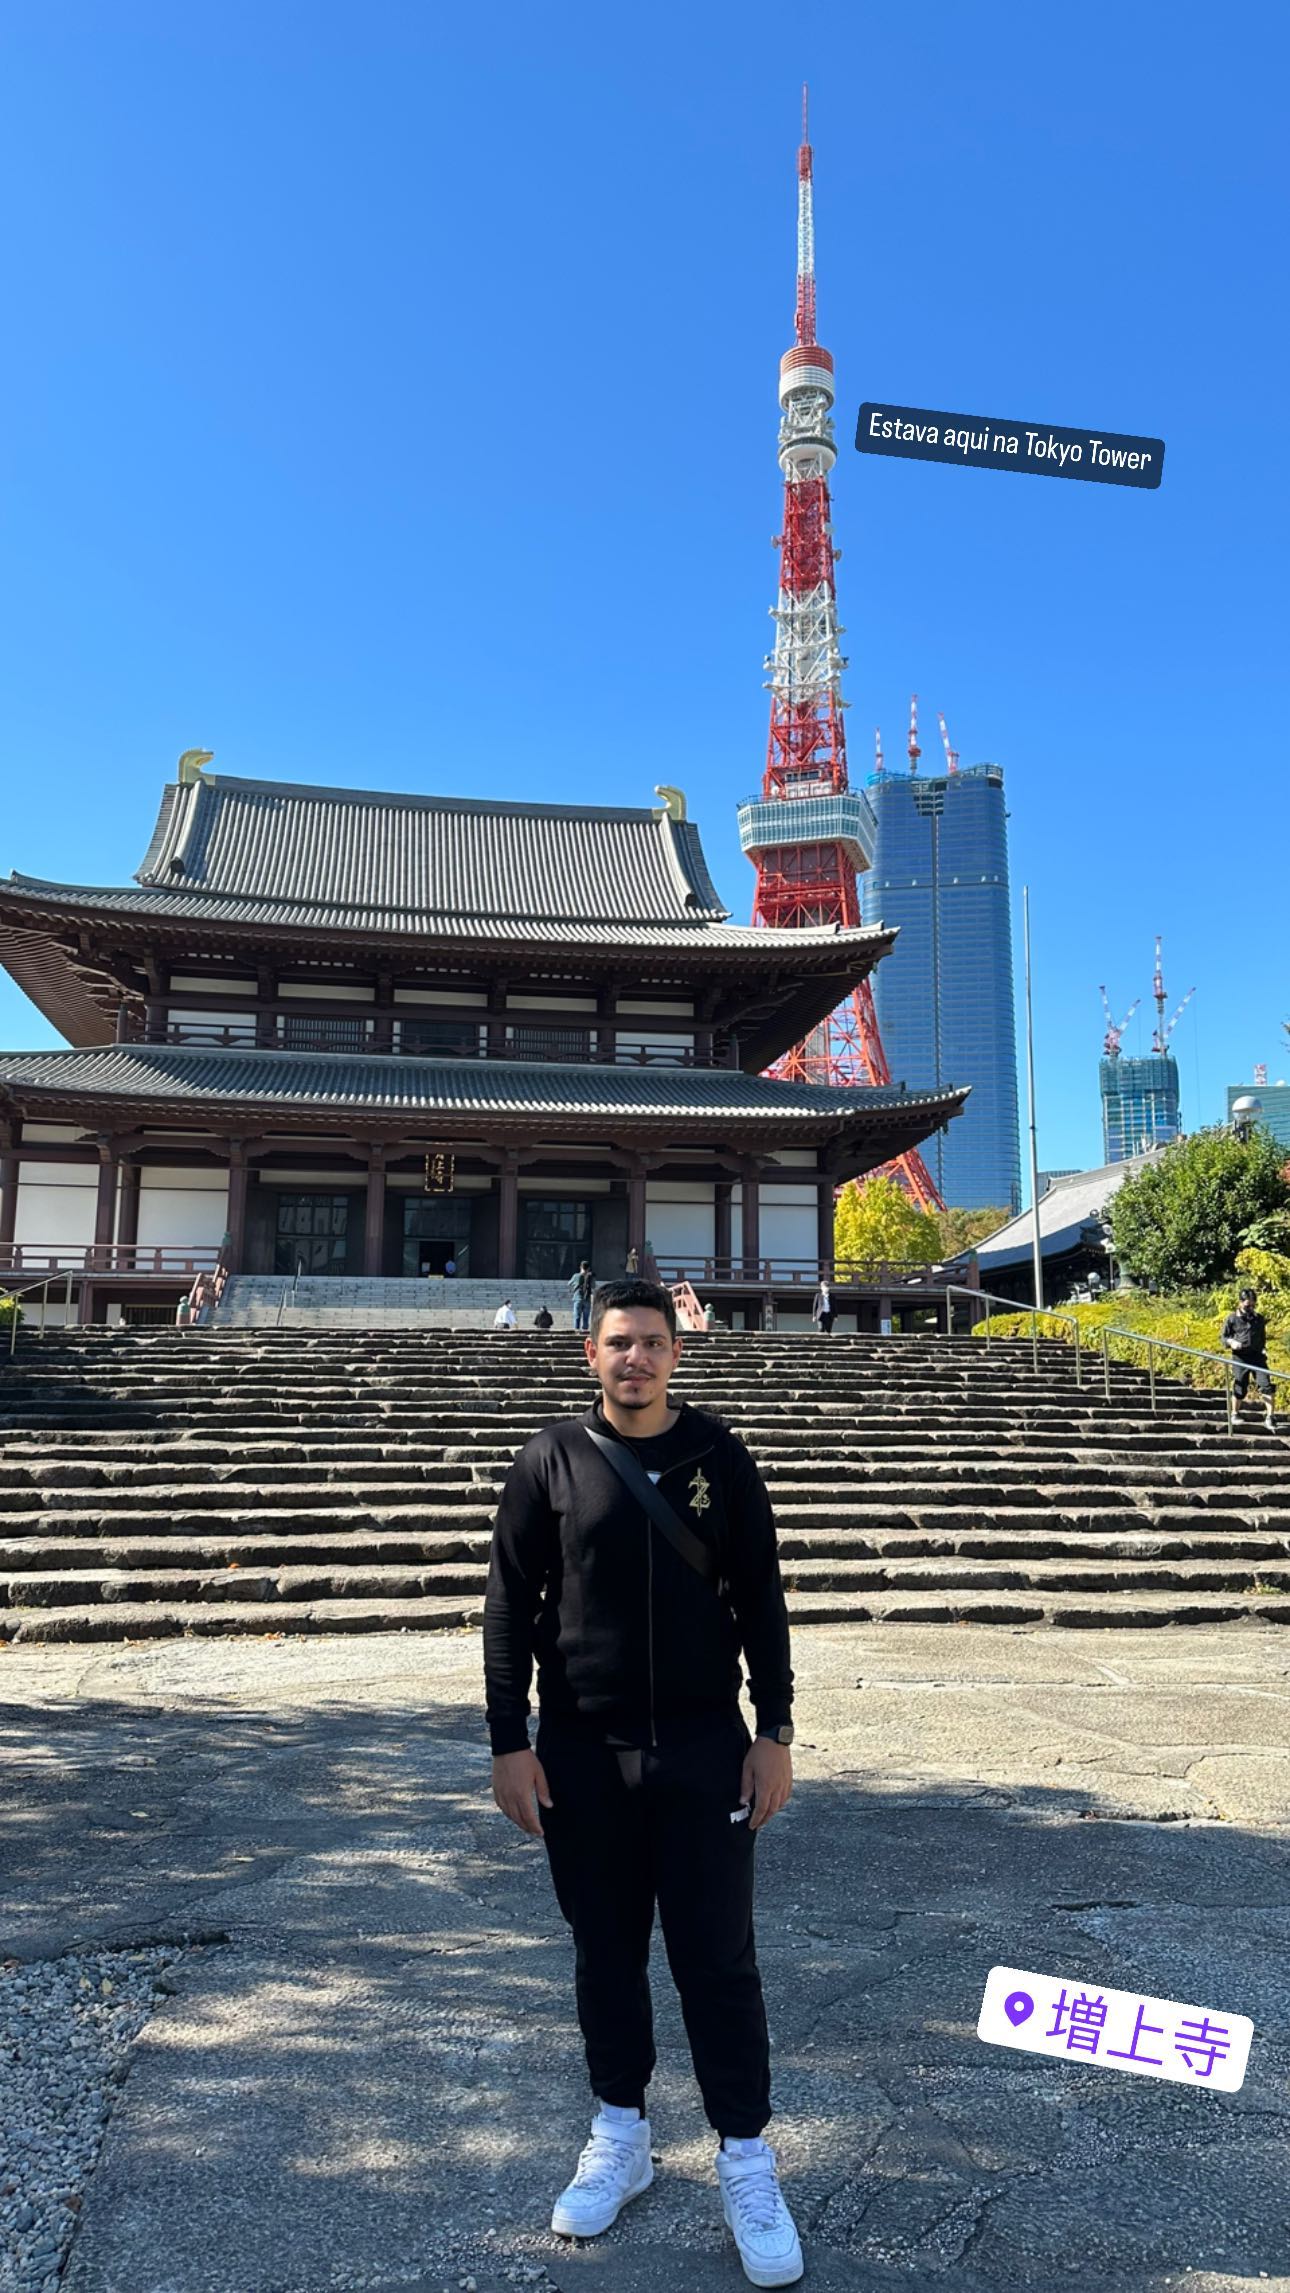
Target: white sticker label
{"x": 1122, "y": 2030}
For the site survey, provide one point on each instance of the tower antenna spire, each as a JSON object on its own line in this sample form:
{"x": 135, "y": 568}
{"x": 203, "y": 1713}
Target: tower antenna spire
{"x": 805, "y": 313}
{"x": 808, "y": 834}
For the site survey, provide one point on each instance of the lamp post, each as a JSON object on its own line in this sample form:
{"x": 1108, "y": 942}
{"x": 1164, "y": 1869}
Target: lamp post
{"x": 1247, "y": 1113}
{"x": 1036, "y": 1238}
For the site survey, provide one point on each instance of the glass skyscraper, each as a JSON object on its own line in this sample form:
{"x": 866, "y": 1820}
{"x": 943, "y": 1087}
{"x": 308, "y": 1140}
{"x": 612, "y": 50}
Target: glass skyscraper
{"x": 944, "y": 994}
{"x": 1140, "y": 1104}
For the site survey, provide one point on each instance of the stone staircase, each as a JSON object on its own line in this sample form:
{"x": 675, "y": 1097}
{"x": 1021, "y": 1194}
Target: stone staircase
{"x": 261, "y": 1481}
{"x": 318, "y": 1301}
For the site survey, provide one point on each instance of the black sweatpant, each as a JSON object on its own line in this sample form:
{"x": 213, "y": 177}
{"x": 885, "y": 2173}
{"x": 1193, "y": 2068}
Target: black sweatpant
{"x": 627, "y": 1831}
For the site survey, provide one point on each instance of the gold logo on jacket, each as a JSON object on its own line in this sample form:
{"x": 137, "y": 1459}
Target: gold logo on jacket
{"x": 699, "y": 1497}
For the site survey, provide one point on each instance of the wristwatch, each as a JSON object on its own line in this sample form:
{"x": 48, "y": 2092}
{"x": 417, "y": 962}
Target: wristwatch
{"x": 781, "y": 1735}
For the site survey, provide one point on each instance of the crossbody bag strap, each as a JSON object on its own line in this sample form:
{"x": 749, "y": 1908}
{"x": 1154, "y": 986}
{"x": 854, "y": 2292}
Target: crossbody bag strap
{"x": 633, "y": 1476}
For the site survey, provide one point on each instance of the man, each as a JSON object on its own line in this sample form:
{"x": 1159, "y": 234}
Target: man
{"x": 544, "y": 1319}
{"x": 645, "y": 1784}
{"x": 822, "y": 1309}
{"x": 1245, "y": 1334}
{"x": 582, "y": 1285}
{"x": 504, "y": 1318}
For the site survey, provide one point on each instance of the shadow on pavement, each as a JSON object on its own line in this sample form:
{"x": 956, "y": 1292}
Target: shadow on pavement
{"x": 376, "y": 2079}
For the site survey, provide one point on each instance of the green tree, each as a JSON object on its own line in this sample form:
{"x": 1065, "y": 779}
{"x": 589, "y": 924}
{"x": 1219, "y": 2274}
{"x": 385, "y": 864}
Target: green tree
{"x": 874, "y": 1218}
{"x": 960, "y": 1229}
{"x": 1180, "y": 1222}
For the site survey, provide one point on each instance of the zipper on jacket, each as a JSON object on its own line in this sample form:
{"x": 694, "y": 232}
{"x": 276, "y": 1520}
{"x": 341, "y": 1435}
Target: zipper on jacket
{"x": 649, "y": 1599}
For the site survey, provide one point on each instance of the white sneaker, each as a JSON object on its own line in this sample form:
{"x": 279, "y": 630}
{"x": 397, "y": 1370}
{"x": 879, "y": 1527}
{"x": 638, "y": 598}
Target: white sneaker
{"x": 614, "y": 2166}
{"x": 757, "y": 2216}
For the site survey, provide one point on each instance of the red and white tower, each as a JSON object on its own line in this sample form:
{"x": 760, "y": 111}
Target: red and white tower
{"x": 809, "y": 833}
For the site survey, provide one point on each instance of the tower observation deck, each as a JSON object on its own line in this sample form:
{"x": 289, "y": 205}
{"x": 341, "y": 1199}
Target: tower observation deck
{"x": 808, "y": 832}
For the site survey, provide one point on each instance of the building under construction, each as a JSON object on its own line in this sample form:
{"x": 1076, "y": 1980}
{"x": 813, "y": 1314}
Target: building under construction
{"x": 1141, "y": 1100}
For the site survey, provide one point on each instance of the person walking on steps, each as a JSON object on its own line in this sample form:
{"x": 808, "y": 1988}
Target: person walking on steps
{"x": 582, "y": 1284}
{"x": 634, "y": 1558}
{"x": 1245, "y": 1334}
{"x": 822, "y": 1309}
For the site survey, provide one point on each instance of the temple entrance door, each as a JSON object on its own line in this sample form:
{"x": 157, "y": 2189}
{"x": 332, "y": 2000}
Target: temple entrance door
{"x": 555, "y": 1236}
{"x": 312, "y": 1233}
{"x": 435, "y": 1231}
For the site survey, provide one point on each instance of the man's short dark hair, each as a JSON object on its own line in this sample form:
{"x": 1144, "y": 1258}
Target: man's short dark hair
{"x": 630, "y": 1296}
{"x": 1247, "y": 1292}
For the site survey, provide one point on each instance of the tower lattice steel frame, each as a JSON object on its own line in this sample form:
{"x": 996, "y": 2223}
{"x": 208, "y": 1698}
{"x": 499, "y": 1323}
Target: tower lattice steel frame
{"x": 809, "y": 832}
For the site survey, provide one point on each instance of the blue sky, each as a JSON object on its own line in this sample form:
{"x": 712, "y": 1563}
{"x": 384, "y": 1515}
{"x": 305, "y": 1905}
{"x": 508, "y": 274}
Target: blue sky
{"x": 390, "y": 401}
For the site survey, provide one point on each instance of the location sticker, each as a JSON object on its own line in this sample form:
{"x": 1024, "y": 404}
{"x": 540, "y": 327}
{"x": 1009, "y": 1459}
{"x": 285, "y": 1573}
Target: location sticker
{"x": 1116, "y": 2029}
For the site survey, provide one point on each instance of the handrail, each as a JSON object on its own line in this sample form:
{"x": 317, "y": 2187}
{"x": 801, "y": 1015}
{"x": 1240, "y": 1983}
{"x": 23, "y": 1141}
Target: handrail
{"x": 43, "y": 1287}
{"x": 1054, "y": 1313}
{"x": 295, "y": 1281}
{"x": 1196, "y": 1353}
{"x": 1107, "y": 1330}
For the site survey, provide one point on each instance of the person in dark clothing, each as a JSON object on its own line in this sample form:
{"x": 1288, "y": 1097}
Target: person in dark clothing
{"x": 1245, "y": 1334}
{"x": 544, "y": 1319}
{"x": 645, "y": 1783}
{"x": 582, "y": 1285}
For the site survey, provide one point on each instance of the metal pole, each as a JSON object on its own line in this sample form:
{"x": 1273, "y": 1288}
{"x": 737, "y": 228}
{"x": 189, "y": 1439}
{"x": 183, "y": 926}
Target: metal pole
{"x": 1034, "y": 1341}
{"x": 1151, "y": 1367}
{"x": 44, "y": 1301}
{"x": 1079, "y": 1373}
{"x": 1106, "y": 1364}
{"x": 67, "y": 1300}
{"x": 1036, "y": 1241}
{"x": 13, "y": 1326}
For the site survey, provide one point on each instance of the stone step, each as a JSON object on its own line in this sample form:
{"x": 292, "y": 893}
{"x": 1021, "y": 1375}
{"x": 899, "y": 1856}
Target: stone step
{"x": 136, "y": 1620}
{"x": 396, "y": 1582}
{"x": 838, "y": 1494}
{"x": 179, "y": 1549}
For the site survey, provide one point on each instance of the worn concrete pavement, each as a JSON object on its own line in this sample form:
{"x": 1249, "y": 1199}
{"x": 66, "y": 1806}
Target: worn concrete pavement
{"x": 370, "y": 2075}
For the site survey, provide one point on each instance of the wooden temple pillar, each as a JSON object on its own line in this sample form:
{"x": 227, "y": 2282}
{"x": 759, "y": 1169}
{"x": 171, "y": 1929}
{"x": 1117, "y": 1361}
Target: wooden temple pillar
{"x": 266, "y": 1018}
{"x": 238, "y": 1181}
{"x": 825, "y": 1216}
{"x": 374, "y": 1213}
{"x": 105, "y": 1201}
{"x": 607, "y": 1025}
{"x": 383, "y": 1022}
{"x": 750, "y": 1195}
{"x": 723, "y": 1226}
{"x": 508, "y": 1216}
{"x": 127, "y": 1217}
{"x": 637, "y": 1174}
{"x": 498, "y": 1020}
{"x": 8, "y": 1192}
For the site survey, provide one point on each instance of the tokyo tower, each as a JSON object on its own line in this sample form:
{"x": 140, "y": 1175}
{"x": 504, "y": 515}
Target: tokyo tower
{"x": 809, "y": 833}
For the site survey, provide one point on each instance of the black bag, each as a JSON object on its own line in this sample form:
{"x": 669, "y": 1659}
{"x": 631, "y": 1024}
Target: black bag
{"x": 634, "y": 1478}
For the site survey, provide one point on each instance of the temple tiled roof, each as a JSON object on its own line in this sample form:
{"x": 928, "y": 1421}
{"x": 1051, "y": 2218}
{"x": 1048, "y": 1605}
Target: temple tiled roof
{"x": 341, "y": 849}
{"x": 309, "y": 1082}
{"x": 183, "y": 905}
{"x": 265, "y": 855}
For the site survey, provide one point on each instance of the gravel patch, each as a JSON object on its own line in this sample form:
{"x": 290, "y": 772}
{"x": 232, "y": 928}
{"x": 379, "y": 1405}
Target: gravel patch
{"x": 67, "y": 2026}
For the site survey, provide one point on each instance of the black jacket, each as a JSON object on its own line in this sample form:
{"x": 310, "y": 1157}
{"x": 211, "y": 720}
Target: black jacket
{"x": 1252, "y": 1332}
{"x": 624, "y": 1631}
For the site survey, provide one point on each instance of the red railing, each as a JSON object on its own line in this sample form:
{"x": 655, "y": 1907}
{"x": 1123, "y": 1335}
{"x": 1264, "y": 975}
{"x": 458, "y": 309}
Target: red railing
{"x": 807, "y": 1273}
{"x": 162, "y": 1259}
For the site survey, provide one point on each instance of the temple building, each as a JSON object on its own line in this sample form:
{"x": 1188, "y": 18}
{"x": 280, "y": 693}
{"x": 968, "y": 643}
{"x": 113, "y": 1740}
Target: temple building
{"x": 372, "y": 1034}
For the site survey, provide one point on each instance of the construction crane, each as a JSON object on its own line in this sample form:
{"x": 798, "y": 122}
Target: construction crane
{"x": 1111, "y": 1039}
{"x": 878, "y": 764}
{"x": 1163, "y": 1033}
{"x": 951, "y": 754}
{"x": 912, "y": 743}
{"x": 1160, "y": 1040}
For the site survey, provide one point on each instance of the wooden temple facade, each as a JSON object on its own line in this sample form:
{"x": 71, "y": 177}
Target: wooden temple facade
{"x": 371, "y": 1034}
